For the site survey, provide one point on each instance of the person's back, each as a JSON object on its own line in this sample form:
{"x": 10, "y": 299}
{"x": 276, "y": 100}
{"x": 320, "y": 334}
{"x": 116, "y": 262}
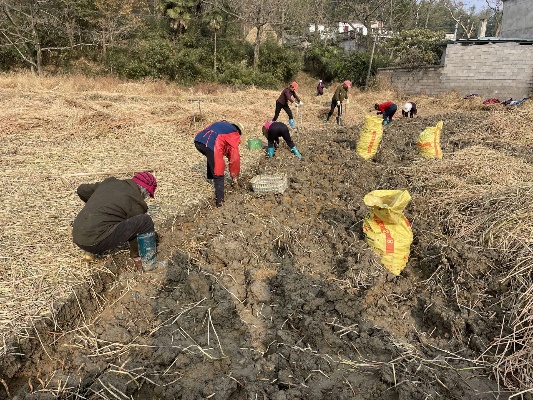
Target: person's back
{"x": 107, "y": 204}
{"x": 208, "y": 136}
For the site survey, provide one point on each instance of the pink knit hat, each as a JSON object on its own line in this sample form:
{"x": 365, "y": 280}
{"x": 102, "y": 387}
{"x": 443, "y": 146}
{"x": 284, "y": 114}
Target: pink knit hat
{"x": 147, "y": 181}
{"x": 267, "y": 124}
{"x": 348, "y": 83}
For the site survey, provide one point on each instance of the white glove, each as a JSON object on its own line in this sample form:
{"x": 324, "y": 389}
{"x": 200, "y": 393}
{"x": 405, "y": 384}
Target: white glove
{"x": 301, "y": 103}
{"x": 296, "y": 104}
{"x": 347, "y": 101}
{"x": 338, "y": 103}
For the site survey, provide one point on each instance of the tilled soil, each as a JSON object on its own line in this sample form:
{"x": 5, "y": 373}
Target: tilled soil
{"x": 277, "y": 296}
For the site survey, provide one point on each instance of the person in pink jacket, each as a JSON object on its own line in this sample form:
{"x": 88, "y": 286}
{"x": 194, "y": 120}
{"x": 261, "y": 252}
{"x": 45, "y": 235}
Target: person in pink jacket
{"x": 216, "y": 141}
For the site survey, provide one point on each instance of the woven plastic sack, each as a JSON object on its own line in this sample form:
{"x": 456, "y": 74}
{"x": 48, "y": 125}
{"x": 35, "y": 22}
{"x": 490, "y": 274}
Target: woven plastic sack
{"x": 429, "y": 141}
{"x": 386, "y": 229}
{"x": 370, "y": 136}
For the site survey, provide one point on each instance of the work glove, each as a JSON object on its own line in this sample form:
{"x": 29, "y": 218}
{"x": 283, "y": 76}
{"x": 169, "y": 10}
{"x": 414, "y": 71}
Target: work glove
{"x": 234, "y": 182}
{"x": 338, "y": 103}
{"x": 296, "y": 104}
{"x": 301, "y": 103}
{"x": 347, "y": 101}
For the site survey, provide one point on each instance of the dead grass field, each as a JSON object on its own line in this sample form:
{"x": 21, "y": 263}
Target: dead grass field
{"x": 57, "y": 132}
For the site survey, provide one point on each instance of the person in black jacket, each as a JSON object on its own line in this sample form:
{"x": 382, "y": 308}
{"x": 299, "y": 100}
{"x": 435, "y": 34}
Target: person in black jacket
{"x": 115, "y": 212}
{"x": 273, "y": 131}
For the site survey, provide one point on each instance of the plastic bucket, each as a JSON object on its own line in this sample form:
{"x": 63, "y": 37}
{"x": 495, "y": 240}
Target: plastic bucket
{"x": 255, "y": 144}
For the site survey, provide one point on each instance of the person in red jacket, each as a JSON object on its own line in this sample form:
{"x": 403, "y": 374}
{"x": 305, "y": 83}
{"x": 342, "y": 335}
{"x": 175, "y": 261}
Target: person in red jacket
{"x": 283, "y": 103}
{"x": 388, "y": 109}
{"x": 216, "y": 141}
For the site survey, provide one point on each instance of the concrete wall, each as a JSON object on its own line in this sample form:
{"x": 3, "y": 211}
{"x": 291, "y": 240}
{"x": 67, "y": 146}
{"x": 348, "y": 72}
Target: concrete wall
{"x": 502, "y": 70}
{"x": 517, "y": 19}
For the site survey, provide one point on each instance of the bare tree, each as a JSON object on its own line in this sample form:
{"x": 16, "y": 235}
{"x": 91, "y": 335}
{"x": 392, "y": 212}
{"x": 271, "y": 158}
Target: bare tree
{"x": 258, "y": 14}
{"x": 33, "y": 27}
{"x": 463, "y": 20}
{"x": 496, "y": 6}
{"x": 117, "y": 19}
{"x": 364, "y": 12}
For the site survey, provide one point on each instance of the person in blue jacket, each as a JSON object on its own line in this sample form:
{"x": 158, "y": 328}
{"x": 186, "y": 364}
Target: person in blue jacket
{"x": 216, "y": 141}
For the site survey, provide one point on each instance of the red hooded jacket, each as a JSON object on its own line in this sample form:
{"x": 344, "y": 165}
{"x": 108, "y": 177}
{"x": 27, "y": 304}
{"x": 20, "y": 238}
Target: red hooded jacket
{"x": 383, "y": 106}
{"x": 223, "y": 138}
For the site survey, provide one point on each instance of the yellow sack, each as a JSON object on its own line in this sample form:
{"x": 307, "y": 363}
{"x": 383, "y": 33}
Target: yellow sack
{"x": 429, "y": 141}
{"x": 370, "y": 137}
{"x": 386, "y": 229}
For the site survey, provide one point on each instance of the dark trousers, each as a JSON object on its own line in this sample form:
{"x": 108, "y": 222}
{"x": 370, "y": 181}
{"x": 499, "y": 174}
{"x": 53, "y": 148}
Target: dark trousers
{"x": 125, "y": 231}
{"x": 279, "y": 130}
{"x": 285, "y": 107}
{"x": 332, "y": 109}
{"x": 218, "y": 180}
{"x": 408, "y": 113}
{"x": 389, "y": 112}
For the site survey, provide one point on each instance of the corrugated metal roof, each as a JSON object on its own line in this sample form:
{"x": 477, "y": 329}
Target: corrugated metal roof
{"x": 489, "y": 40}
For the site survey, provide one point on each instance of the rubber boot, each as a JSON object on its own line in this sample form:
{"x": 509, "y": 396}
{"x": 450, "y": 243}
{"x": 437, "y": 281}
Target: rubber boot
{"x": 291, "y": 123}
{"x": 296, "y": 152}
{"x": 390, "y": 122}
{"x": 270, "y": 152}
{"x": 148, "y": 252}
{"x": 339, "y": 122}
{"x": 384, "y": 122}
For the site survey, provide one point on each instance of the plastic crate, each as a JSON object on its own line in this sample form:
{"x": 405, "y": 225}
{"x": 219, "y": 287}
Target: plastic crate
{"x": 270, "y": 183}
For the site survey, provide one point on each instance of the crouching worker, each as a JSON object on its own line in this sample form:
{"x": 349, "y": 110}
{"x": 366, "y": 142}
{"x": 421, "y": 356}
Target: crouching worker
{"x": 273, "y": 131}
{"x": 216, "y": 141}
{"x": 115, "y": 212}
{"x": 409, "y": 109}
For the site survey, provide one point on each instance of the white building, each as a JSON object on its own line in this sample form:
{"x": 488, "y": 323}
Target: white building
{"x": 342, "y": 27}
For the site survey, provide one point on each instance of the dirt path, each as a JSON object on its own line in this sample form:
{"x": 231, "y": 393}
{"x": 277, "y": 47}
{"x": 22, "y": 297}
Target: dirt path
{"x": 277, "y": 296}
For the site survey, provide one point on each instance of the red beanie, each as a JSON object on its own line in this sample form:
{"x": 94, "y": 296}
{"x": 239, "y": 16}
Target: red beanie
{"x": 147, "y": 181}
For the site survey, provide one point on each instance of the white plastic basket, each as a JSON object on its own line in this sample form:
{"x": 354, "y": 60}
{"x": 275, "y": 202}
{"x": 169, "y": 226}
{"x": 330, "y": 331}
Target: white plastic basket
{"x": 270, "y": 183}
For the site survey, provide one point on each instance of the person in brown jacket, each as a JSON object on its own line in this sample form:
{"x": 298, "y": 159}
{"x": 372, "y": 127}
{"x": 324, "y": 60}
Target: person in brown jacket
{"x": 115, "y": 212}
{"x": 283, "y": 101}
{"x": 340, "y": 95}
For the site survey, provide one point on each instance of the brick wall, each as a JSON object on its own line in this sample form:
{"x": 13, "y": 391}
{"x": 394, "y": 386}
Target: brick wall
{"x": 502, "y": 70}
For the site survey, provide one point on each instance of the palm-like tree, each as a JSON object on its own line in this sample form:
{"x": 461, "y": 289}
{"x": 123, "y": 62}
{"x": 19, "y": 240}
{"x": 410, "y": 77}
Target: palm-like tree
{"x": 179, "y": 12}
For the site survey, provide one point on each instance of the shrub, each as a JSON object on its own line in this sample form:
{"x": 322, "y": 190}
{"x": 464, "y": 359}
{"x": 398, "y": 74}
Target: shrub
{"x": 281, "y": 63}
{"x": 415, "y": 47}
{"x": 330, "y": 63}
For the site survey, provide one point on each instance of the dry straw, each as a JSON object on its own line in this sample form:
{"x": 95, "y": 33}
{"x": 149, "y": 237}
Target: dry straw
{"x": 60, "y": 132}
{"x": 481, "y": 195}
